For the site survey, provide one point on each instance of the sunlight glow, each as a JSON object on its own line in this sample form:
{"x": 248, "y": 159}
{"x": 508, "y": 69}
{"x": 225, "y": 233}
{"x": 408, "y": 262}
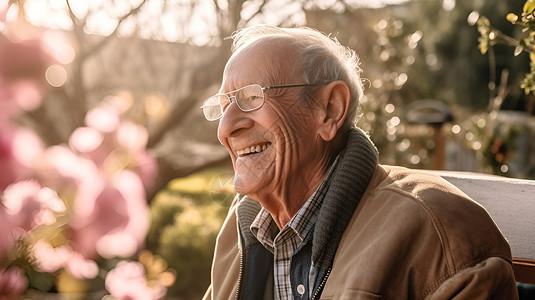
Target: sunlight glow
{"x": 182, "y": 21}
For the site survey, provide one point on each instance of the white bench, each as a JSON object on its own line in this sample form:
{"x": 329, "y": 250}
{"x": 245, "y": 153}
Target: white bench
{"x": 511, "y": 203}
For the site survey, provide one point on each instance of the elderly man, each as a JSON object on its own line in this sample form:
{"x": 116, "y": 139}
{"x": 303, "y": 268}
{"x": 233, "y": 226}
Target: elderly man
{"x": 316, "y": 216}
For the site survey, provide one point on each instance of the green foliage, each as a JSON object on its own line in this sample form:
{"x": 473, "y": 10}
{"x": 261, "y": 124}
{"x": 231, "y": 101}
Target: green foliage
{"x": 186, "y": 218}
{"x": 488, "y": 36}
{"x": 524, "y": 42}
{"x": 163, "y": 210}
{"x": 528, "y": 83}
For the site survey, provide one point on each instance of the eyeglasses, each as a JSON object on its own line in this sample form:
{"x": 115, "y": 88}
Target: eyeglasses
{"x": 248, "y": 98}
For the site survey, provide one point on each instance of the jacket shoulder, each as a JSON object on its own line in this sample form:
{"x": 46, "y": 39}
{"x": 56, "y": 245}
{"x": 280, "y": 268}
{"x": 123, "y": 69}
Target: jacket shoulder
{"x": 417, "y": 224}
{"x": 465, "y": 229}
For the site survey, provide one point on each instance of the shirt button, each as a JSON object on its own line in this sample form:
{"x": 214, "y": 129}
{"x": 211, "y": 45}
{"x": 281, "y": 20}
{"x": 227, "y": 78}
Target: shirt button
{"x": 301, "y": 289}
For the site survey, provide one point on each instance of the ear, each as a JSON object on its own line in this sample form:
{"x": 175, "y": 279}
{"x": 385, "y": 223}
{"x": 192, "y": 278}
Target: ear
{"x": 334, "y": 101}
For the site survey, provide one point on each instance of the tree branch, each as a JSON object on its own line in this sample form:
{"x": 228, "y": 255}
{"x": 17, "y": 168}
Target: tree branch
{"x": 103, "y": 42}
{"x": 257, "y": 12}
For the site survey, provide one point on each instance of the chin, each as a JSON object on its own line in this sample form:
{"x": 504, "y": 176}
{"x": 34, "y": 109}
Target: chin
{"x": 241, "y": 187}
{"x": 247, "y": 186}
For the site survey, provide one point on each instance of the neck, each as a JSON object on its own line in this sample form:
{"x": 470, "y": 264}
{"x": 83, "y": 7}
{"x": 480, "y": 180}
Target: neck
{"x": 287, "y": 199}
{"x": 283, "y": 206}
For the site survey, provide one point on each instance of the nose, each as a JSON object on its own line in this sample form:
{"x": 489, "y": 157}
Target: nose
{"x": 225, "y": 105}
{"x": 233, "y": 122}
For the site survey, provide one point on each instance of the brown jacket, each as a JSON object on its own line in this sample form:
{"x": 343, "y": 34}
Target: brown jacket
{"x": 412, "y": 236}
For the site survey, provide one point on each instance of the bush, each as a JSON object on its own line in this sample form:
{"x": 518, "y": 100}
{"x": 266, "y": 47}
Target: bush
{"x": 186, "y": 218}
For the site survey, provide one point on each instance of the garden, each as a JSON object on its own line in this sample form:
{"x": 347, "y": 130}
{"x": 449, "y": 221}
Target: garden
{"x": 112, "y": 184}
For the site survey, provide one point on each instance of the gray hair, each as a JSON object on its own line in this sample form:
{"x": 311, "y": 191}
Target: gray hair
{"x": 324, "y": 59}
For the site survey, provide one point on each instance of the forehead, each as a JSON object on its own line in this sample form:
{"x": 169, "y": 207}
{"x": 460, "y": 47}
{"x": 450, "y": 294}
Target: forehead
{"x": 265, "y": 61}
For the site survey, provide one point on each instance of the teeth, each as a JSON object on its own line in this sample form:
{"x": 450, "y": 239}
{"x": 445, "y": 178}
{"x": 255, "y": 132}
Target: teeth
{"x": 253, "y": 149}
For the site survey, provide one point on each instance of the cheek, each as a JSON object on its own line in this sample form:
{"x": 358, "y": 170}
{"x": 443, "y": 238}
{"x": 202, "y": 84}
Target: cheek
{"x": 296, "y": 124}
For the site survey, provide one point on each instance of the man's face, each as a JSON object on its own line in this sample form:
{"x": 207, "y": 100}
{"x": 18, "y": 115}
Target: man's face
{"x": 275, "y": 146}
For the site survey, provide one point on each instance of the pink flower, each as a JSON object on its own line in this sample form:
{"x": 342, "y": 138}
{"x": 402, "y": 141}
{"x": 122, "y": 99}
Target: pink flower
{"x": 65, "y": 171}
{"x": 21, "y": 94}
{"x": 27, "y": 204}
{"x": 127, "y": 282}
{"x": 110, "y": 215}
{"x": 132, "y": 136}
{"x": 22, "y": 74}
{"x": 105, "y": 117}
{"x": 86, "y": 139}
{"x": 114, "y": 145}
{"x": 12, "y": 284}
{"x": 81, "y": 267}
{"x": 19, "y": 150}
{"x": 6, "y": 238}
{"x": 22, "y": 205}
{"x": 48, "y": 258}
{"x": 146, "y": 167}
{"x": 23, "y": 59}
{"x": 110, "y": 218}
{"x": 133, "y": 139}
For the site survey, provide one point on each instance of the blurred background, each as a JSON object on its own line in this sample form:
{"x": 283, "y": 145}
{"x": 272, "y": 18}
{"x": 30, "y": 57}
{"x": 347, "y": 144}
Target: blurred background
{"x": 117, "y": 85}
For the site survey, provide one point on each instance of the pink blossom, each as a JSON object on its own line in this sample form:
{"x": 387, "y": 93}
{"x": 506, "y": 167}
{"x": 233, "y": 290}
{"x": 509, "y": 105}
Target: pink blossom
{"x": 28, "y": 205}
{"x": 12, "y": 284}
{"x": 23, "y": 59}
{"x": 22, "y": 94}
{"x": 105, "y": 117}
{"x": 65, "y": 171}
{"x": 127, "y": 282}
{"x": 146, "y": 167}
{"x": 48, "y": 258}
{"x": 81, "y": 267}
{"x": 97, "y": 146}
{"x": 22, "y": 74}
{"x": 114, "y": 145}
{"x": 6, "y": 239}
{"x": 19, "y": 150}
{"x": 86, "y": 139}
{"x": 132, "y": 136}
{"x": 110, "y": 218}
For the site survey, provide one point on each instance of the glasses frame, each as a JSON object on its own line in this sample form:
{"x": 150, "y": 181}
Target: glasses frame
{"x": 272, "y": 87}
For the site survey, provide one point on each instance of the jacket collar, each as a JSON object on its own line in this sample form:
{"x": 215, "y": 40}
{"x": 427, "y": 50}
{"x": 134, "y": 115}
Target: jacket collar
{"x": 349, "y": 180}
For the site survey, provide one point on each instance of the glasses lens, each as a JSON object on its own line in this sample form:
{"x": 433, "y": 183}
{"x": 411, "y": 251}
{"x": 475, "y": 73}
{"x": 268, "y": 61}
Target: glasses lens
{"x": 250, "y": 97}
{"x": 212, "y": 107}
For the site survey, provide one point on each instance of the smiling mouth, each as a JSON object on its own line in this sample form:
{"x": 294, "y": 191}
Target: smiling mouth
{"x": 253, "y": 149}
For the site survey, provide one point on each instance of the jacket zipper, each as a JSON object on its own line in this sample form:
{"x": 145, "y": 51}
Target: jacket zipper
{"x": 239, "y": 276}
{"x": 320, "y": 287}
{"x": 240, "y": 246}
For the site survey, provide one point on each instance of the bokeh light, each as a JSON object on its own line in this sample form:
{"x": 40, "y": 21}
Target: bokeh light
{"x": 56, "y": 75}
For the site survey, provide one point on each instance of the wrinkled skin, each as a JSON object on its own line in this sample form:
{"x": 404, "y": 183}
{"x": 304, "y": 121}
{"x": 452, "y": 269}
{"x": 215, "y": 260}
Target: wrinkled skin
{"x": 300, "y": 147}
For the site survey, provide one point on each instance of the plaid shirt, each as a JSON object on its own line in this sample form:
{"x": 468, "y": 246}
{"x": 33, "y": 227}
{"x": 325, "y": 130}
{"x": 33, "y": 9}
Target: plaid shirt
{"x": 283, "y": 243}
